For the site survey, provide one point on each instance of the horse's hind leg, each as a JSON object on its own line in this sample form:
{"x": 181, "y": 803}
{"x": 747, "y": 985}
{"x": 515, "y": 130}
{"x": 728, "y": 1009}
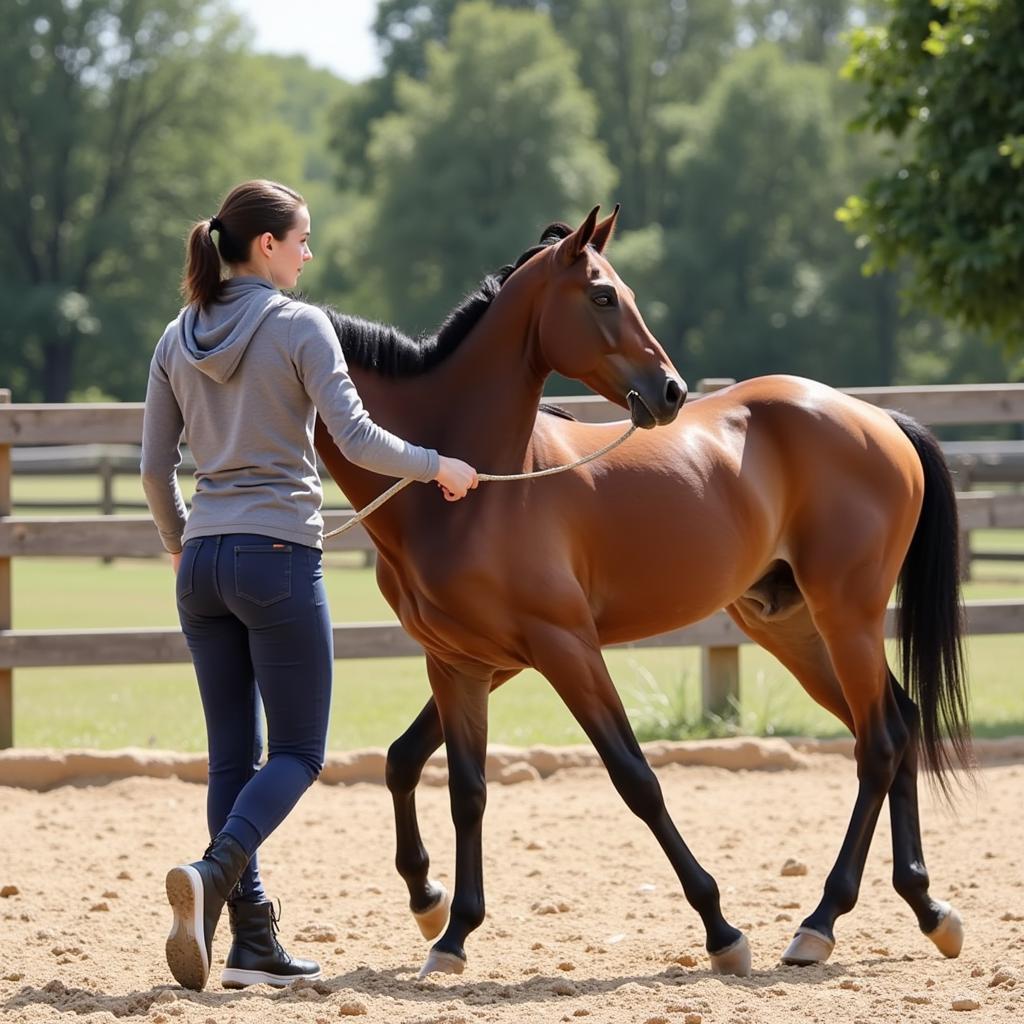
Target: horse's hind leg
{"x": 578, "y": 673}
{"x": 798, "y": 645}
{"x": 428, "y": 899}
{"x": 937, "y": 919}
{"x": 858, "y": 656}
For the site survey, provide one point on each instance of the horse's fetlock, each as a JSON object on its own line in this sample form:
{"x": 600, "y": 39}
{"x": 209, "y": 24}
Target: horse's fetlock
{"x": 702, "y": 894}
{"x": 910, "y": 880}
{"x": 842, "y": 893}
{"x": 414, "y": 864}
{"x": 469, "y": 912}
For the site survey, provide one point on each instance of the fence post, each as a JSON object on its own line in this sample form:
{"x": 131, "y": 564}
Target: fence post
{"x": 6, "y": 674}
{"x": 719, "y": 666}
{"x": 107, "y": 507}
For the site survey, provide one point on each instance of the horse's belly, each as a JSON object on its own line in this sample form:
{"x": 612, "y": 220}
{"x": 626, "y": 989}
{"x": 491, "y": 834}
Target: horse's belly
{"x": 655, "y": 599}
{"x": 678, "y": 567}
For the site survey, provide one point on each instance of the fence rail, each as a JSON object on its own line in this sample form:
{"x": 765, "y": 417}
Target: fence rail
{"x": 120, "y": 536}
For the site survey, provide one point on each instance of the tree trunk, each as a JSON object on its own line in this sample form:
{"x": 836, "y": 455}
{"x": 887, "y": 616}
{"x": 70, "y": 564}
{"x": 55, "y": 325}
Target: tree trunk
{"x": 58, "y": 369}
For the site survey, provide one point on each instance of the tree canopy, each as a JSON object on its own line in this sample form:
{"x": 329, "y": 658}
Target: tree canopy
{"x": 121, "y": 122}
{"x": 720, "y": 125}
{"x": 945, "y": 82}
{"x": 498, "y": 134}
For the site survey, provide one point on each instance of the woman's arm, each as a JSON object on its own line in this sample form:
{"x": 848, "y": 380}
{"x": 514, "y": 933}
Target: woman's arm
{"x": 321, "y": 365}
{"x": 162, "y": 424}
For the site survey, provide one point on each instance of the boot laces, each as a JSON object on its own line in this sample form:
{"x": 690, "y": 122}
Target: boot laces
{"x": 275, "y": 927}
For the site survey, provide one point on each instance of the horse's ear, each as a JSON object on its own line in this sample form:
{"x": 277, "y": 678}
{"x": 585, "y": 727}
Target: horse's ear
{"x": 603, "y": 232}
{"x": 572, "y": 246}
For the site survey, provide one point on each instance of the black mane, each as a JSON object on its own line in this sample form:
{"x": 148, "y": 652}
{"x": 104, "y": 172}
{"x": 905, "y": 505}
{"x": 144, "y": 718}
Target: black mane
{"x": 389, "y": 352}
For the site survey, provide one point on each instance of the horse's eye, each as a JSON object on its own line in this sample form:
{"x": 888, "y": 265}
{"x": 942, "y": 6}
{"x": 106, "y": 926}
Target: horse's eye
{"x": 605, "y": 298}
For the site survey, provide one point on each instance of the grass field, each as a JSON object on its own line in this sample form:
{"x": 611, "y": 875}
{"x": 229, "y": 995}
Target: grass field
{"x": 374, "y": 699}
{"x": 157, "y": 705}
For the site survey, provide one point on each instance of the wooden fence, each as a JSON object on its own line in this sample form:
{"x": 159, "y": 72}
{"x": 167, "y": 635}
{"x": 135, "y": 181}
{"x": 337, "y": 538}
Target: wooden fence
{"x": 135, "y": 535}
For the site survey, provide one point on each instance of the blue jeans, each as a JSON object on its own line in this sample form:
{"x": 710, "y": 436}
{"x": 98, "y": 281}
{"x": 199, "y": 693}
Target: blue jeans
{"x": 254, "y": 613}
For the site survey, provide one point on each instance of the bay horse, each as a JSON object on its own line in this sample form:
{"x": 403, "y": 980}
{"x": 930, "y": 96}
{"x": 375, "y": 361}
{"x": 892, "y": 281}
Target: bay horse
{"x": 796, "y": 508}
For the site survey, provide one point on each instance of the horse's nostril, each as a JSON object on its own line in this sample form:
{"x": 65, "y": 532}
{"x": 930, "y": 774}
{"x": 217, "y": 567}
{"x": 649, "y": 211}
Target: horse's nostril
{"x": 675, "y": 392}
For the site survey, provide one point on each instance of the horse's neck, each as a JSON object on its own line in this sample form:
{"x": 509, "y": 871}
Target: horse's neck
{"x": 479, "y": 404}
{"x": 484, "y": 396}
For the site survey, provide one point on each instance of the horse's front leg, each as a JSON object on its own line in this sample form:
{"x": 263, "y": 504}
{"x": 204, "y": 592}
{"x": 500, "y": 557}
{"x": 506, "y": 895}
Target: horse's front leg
{"x": 461, "y": 702}
{"x": 575, "y": 667}
{"x": 428, "y": 898}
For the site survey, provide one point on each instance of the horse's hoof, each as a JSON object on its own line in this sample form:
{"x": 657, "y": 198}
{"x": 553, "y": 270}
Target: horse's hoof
{"x": 734, "y": 959}
{"x": 948, "y": 934}
{"x": 439, "y": 962}
{"x": 808, "y": 947}
{"x": 432, "y": 920}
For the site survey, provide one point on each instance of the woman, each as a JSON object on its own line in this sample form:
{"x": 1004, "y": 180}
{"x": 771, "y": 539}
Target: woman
{"x": 243, "y": 370}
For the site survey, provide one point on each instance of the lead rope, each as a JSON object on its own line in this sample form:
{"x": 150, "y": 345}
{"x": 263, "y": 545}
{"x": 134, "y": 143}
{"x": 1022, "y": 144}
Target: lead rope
{"x": 483, "y": 478}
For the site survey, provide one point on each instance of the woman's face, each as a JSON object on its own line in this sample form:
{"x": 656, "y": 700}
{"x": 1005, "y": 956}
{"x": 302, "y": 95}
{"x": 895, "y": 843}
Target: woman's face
{"x": 286, "y": 257}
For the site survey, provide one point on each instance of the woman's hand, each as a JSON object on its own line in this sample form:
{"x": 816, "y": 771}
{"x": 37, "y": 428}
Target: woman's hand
{"x": 175, "y": 562}
{"x": 455, "y": 478}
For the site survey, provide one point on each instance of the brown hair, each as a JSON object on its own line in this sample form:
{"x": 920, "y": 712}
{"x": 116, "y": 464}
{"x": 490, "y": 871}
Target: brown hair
{"x": 249, "y": 210}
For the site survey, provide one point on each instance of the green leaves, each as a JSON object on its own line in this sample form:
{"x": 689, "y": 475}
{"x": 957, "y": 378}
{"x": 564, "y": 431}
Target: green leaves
{"x": 494, "y": 142}
{"x": 954, "y": 208}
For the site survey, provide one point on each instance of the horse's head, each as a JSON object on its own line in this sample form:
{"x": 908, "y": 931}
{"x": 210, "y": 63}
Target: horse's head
{"x": 590, "y": 329}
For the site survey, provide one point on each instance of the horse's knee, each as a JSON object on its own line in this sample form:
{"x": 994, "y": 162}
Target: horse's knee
{"x": 468, "y": 799}
{"x": 402, "y": 768}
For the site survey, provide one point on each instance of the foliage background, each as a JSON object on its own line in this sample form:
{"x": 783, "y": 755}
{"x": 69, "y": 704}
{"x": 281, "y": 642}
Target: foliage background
{"x": 721, "y": 125}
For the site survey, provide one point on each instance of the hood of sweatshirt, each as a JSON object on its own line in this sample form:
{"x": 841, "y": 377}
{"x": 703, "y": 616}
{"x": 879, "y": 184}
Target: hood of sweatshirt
{"x": 214, "y": 339}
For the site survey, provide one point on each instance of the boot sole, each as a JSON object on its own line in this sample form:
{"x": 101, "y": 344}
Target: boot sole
{"x": 186, "y": 944}
{"x": 233, "y": 977}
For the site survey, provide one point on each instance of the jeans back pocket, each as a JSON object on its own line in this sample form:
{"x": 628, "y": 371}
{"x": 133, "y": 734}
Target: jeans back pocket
{"x": 263, "y": 573}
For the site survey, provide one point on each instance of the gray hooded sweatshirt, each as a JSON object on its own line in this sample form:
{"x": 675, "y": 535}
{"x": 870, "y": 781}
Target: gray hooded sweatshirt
{"x": 244, "y": 379}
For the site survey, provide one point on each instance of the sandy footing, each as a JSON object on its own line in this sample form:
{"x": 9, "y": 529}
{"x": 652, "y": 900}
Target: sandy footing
{"x": 585, "y": 919}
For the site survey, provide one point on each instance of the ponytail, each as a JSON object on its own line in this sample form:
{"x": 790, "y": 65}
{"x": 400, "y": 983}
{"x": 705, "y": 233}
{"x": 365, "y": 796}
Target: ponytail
{"x": 201, "y": 283}
{"x": 249, "y": 209}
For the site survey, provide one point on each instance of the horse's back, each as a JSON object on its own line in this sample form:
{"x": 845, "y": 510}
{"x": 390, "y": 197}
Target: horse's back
{"x": 769, "y": 469}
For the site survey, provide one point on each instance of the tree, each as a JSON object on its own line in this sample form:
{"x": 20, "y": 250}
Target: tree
{"x": 124, "y": 121}
{"x": 639, "y": 59}
{"x": 100, "y": 98}
{"x": 633, "y": 57}
{"x": 496, "y": 141}
{"x": 749, "y": 272}
{"x": 807, "y": 29}
{"x": 945, "y": 80}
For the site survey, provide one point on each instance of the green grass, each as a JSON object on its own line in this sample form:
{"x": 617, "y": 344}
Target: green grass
{"x": 157, "y": 705}
{"x": 374, "y": 699}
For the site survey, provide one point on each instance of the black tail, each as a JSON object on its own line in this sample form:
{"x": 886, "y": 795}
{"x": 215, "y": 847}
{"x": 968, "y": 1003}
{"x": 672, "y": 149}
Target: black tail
{"x": 930, "y": 613}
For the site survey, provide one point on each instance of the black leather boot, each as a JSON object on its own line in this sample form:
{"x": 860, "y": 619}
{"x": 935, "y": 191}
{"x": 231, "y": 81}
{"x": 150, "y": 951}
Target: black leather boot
{"x": 197, "y": 893}
{"x": 256, "y": 957}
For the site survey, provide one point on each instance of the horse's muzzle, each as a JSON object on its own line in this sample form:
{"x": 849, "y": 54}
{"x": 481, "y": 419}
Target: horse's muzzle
{"x": 657, "y": 409}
